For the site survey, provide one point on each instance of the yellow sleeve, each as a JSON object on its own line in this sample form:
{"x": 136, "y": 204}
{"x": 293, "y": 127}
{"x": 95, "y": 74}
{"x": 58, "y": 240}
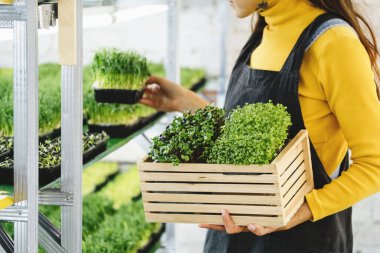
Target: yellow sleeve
{"x": 5, "y": 201}
{"x": 348, "y": 82}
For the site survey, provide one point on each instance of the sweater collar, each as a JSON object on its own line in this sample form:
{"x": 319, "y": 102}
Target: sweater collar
{"x": 283, "y": 14}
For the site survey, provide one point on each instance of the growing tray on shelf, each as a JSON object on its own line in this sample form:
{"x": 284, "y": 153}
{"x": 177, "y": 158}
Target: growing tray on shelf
{"x": 118, "y": 96}
{"x": 5, "y": 154}
{"x": 52, "y": 135}
{"x": 199, "y": 84}
{"x": 154, "y": 239}
{"x": 6, "y": 147}
{"x": 148, "y": 119}
{"x": 115, "y": 131}
{"x": 46, "y": 175}
{"x": 93, "y": 152}
{"x": 195, "y": 193}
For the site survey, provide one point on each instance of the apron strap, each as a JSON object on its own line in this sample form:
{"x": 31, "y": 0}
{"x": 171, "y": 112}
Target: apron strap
{"x": 325, "y": 27}
{"x": 320, "y": 25}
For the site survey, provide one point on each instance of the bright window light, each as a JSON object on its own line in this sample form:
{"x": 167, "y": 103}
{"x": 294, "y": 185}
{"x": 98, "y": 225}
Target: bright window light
{"x": 101, "y": 19}
{"x": 139, "y": 12}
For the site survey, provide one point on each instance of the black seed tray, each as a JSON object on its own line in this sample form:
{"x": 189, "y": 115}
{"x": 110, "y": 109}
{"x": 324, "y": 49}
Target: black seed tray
{"x": 146, "y": 120}
{"x": 137, "y": 197}
{"x": 93, "y": 152}
{"x": 52, "y": 135}
{"x": 118, "y": 96}
{"x": 199, "y": 84}
{"x": 8, "y": 153}
{"x": 153, "y": 240}
{"x": 46, "y": 175}
{"x": 115, "y": 131}
{"x": 108, "y": 180}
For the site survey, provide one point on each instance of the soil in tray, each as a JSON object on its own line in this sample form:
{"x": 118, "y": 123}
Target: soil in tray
{"x": 118, "y": 96}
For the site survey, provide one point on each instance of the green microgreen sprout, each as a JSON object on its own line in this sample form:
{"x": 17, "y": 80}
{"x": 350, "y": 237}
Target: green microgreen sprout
{"x": 116, "y": 69}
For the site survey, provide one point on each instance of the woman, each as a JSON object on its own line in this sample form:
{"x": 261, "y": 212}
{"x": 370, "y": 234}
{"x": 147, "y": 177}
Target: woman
{"x": 313, "y": 57}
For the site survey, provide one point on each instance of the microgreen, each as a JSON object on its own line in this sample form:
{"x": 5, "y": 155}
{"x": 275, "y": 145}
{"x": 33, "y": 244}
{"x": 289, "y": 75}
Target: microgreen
{"x": 253, "y": 134}
{"x": 116, "y": 69}
{"x": 188, "y": 138}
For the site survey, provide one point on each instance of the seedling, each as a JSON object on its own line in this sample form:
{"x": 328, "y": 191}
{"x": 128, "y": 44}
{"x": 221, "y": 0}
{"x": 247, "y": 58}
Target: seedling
{"x": 119, "y": 76}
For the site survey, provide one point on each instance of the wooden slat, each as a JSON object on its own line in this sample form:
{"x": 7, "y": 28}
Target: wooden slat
{"x": 293, "y": 178}
{"x": 212, "y": 198}
{"x": 291, "y": 168}
{"x": 285, "y": 163}
{"x": 209, "y": 208}
{"x": 294, "y": 189}
{"x": 196, "y": 167}
{"x": 67, "y": 32}
{"x": 214, "y": 219}
{"x": 210, "y": 178}
{"x": 308, "y": 165}
{"x": 290, "y": 147}
{"x": 226, "y": 188}
{"x": 296, "y": 202}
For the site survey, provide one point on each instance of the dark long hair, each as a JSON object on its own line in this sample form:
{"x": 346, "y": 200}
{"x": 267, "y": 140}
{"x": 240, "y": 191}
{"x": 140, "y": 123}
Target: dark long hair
{"x": 346, "y": 10}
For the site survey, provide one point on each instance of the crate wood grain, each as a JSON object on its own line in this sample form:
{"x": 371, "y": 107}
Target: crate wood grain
{"x": 268, "y": 195}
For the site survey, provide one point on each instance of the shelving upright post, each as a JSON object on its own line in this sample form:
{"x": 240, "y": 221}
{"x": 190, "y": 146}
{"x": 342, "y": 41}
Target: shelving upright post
{"x": 22, "y": 17}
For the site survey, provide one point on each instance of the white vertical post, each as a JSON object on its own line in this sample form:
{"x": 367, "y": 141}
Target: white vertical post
{"x": 26, "y": 126}
{"x": 172, "y": 65}
{"x": 173, "y": 73}
{"x": 223, "y": 9}
{"x": 70, "y": 38}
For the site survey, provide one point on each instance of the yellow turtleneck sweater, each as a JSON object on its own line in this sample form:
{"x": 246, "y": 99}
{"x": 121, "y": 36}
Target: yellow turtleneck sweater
{"x": 338, "y": 101}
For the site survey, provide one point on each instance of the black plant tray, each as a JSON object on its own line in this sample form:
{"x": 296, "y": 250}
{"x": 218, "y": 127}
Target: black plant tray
{"x": 8, "y": 153}
{"x": 109, "y": 179}
{"x": 118, "y": 96}
{"x": 52, "y": 135}
{"x": 199, "y": 84}
{"x": 46, "y": 175}
{"x": 115, "y": 131}
{"x": 148, "y": 119}
{"x": 153, "y": 240}
{"x": 93, "y": 152}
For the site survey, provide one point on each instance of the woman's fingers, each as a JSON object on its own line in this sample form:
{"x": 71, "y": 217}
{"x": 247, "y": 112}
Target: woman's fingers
{"x": 260, "y": 230}
{"x": 147, "y": 101}
{"x": 229, "y": 224}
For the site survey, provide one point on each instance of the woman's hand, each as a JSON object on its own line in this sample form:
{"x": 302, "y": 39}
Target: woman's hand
{"x": 302, "y": 215}
{"x": 164, "y": 95}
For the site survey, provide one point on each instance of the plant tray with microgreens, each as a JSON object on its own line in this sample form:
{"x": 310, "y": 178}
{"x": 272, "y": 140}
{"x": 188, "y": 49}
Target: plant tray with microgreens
{"x": 119, "y": 120}
{"x": 50, "y": 135}
{"x": 94, "y": 144}
{"x": 49, "y": 161}
{"x": 244, "y": 162}
{"x": 116, "y": 131}
{"x": 120, "y": 76}
{"x": 6, "y": 147}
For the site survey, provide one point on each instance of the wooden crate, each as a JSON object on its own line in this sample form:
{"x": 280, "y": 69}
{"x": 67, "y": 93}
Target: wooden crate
{"x": 267, "y": 195}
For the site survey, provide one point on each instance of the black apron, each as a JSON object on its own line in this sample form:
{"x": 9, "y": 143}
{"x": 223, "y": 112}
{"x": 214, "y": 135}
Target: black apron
{"x": 247, "y": 85}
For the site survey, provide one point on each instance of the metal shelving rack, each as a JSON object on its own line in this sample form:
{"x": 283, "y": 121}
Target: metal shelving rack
{"x": 31, "y": 228}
